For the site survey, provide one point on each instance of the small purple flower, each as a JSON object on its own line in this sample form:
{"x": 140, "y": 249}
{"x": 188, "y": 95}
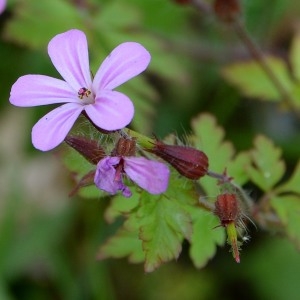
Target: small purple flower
{"x": 150, "y": 175}
{"x": 2, "y": 6}
{"x": 107, "y": 109}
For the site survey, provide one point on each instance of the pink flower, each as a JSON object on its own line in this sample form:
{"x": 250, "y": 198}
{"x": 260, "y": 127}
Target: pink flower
{"x": 108, "y": 109}
{"x": 150, "y": 175}
{"x": 2, "y": 6}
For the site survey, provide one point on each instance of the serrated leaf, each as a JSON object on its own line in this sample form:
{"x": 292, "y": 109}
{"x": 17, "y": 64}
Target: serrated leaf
{"x": 252, "y": 81}
{"x": 164, "y": 225}
{"x": 205, "y": 237}
{"x": 288, "y": 210}
{"x": 209, "y": 138}
{"x": 292, "y": 185}
{"x": 124, "y": 243}
{"x": 267, "y": 168}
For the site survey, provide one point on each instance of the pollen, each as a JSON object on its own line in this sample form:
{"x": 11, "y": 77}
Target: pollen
{"x": 83, "y": 92}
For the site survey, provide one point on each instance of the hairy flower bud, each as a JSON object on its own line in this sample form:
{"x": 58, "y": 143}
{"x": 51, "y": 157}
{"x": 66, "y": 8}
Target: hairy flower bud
{"x": 125, "y": 147}
{"x": 227, "y": 208}
{"x": 89, "y": 149}
{"x": 229, "y": 212}
{"x": 227, "y": 10}
{"x": 188, "y": 161}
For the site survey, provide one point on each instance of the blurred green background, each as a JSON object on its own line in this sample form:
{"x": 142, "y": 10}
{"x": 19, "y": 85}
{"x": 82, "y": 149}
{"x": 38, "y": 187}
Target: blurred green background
{"x": 48, "y": 241}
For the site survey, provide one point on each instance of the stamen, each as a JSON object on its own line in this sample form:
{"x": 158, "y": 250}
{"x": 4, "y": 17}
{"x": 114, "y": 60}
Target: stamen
{"x": 83, "y": 92}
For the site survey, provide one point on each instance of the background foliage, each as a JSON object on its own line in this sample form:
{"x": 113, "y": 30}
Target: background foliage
{"x": 48, "y": 241}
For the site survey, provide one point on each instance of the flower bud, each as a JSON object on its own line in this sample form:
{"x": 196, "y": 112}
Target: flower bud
{"x": 227, "y": 208}
{"x": 89, "y": 149}
{"x": 227, "y": 10}
{"x": 125, "y": 147}
{"x": 188, "y": 161}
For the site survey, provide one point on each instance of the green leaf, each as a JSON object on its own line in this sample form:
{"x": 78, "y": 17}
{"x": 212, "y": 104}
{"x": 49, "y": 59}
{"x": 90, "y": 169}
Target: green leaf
{"x": 128, "y": 16}
{"x": 205, "y": 237}
{"x": 252, "y": 81}
{"x": 49, "y": 17}
{"x": 163, "y": 226}
{"x": 124, "y": 243}
{"x": 288, "y": 210}
{"x": 121, "y": 206}
{"x": 237, "y": 168}
{"x": 267, "y": 168}
{"x": 292, "y": 185}
{"x": 209, "y": 138}
{"x": 295, "y": 56}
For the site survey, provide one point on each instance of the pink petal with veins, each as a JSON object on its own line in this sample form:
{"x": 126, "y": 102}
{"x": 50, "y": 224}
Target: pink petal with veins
{"x": 125, "y": 62}
{"x": 52, "y": 129}
{"x": 33, "y": 90}
{"x": 69, "y": 54}
{"x": 150, "y": 175}
{"x": 111, "y": 111}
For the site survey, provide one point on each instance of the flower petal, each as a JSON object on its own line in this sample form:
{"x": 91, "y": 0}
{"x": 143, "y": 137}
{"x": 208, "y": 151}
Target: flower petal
{"x": 150, "y": 175}
{"x": 125, "y": 62}
{"x": 69, "y": 54}
{"x": 106, "y": 173}
{"x": 32, "y": 90}
{"x": 52, "y": 129}
{"x": 111, "y": 111}
{"x": 2, "y": 6}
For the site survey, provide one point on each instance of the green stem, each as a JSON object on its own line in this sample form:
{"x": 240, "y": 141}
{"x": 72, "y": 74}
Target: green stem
{"x": 142, "y": 140}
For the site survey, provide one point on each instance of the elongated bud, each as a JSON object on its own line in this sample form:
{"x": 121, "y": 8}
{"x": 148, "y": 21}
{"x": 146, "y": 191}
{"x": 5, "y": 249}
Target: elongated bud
{"x": 227, "y": 10}
{"x": 125, "y": 147}
{"x": 188, "y": 161}
{"x": 89, "y": 149}
{"x": 227, "y": 208}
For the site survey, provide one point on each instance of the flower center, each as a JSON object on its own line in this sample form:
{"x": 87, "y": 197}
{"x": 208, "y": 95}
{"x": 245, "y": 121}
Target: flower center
{"x": 119, "y": 171}
{"x": 86, "y": 95}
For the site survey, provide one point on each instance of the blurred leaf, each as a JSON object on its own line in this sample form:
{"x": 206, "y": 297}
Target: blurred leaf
{"x": 117, "y": 15}
{"x": 292, "y": 185}
{"x": 209, "y": 138}
{"x": 124, "y": 243}
{"x": 121, "y": 206}
{"x": 252, "y": 81}
{"x": 205, "y": 237}
{"x": 295, "y": 56}
{"x": 237, "y": 168}
{"x": 35, "y": 22}
{"x": 267, "y": 168}
{"x": 288, "y": 210}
